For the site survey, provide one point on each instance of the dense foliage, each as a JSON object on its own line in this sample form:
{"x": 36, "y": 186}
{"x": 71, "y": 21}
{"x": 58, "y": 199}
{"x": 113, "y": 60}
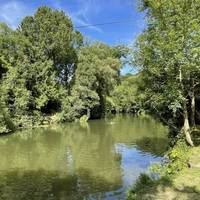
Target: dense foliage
{"x": 167, "y": 53}
{"x": 48, "y": 74}
{"x": 97, "y": 73}
{"x": 125, "y": 96}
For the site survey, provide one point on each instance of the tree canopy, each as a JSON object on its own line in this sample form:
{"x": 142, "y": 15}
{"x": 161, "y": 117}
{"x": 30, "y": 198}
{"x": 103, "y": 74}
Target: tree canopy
{"x": 48, "y": 73}
{"x": 167, "y": 53}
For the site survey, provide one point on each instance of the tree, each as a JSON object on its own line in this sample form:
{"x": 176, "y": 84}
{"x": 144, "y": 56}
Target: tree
{"x": 97, "y": 73}
{"x": 167, "y": 53}
{"x": 38, "y": 61}
{"x": 124, "y": 96}
{"x": 51, "y": 35}
{"x": 48, "y": 74}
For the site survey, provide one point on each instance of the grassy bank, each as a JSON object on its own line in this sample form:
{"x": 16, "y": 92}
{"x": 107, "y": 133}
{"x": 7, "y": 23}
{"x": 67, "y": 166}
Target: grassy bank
{"x": 182, "y": 185}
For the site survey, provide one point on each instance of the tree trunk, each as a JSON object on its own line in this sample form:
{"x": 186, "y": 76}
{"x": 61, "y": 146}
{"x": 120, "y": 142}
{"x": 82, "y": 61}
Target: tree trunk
{"x": 192, "y": 107}
{"x": 193, "y": 110}
{"x": 186, "y": 127}
{"x": 88, "y": 113}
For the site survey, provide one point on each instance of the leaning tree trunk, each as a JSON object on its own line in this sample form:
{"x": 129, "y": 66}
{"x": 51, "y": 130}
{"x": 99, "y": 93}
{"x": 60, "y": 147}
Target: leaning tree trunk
{"x": 186, "y": 127}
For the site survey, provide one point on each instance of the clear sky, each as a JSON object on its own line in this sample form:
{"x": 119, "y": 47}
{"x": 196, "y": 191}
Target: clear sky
{"x": 84, "y": 12}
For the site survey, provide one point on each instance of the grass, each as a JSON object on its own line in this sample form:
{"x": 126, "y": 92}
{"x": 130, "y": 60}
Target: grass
{"x": 184, "y": 186}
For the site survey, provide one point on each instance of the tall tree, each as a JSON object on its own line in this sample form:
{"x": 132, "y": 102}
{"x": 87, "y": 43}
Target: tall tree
{"x": 124, "y": 96}
{"x": 51, "y": 35}
{"x": 96, "y": 75}
{"x": 168, "y": 53}
{"x": 38, "y": 62}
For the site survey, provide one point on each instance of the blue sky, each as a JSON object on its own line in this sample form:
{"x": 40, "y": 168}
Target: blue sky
{"x": 83, "y": 12}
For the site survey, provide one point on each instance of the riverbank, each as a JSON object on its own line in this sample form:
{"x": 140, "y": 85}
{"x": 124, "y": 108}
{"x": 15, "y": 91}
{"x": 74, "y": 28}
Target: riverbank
{"x": 184, "y": 186}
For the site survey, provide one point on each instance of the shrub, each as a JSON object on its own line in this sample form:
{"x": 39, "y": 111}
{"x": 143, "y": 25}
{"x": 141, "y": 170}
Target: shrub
{"x": 178, "y": 158}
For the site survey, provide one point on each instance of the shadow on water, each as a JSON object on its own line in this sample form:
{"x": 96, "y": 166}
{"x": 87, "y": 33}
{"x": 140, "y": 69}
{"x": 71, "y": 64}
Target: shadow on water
{"x": 155, "y": 146}
{"x": 51, "y": 185}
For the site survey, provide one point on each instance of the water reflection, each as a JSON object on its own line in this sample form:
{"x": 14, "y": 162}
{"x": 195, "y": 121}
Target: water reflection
{"x": 51, "y": 185}
{"x": 75, "y": 161}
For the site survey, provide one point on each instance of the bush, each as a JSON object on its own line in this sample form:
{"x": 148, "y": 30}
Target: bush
{"x": 178, "y": 158}
{"x": 6, "y": 125}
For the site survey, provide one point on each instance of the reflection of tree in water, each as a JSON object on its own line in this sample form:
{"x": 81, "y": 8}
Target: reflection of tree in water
{"x": 83, "y": 157}
{"x": 156, "y": 146}
{"x": 71, "y": 159}
{"x": 93, "y": 151}
{"x": 48, "y": 185}
{"x": 128, "y": 129}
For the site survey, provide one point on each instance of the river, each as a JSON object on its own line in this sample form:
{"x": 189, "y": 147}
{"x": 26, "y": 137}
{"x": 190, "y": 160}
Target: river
{"x": 73, "y": 161}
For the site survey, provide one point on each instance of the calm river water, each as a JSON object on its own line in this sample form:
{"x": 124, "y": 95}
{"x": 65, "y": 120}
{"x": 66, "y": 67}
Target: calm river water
{"x": 74, "y": 161}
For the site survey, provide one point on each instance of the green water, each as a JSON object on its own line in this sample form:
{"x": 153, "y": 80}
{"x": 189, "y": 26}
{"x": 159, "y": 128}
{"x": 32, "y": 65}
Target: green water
{"x": 98, "y": 160}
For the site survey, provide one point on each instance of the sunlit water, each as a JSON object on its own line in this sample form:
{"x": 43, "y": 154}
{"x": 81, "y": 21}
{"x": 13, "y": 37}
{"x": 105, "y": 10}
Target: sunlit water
{"x": 74, "y": 161}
